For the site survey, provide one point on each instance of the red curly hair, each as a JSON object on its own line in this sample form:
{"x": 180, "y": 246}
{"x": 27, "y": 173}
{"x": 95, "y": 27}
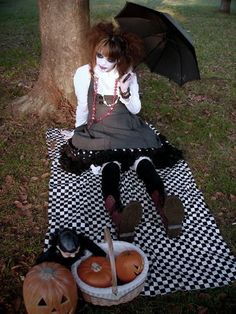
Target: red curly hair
{"x": 108, "y": 39}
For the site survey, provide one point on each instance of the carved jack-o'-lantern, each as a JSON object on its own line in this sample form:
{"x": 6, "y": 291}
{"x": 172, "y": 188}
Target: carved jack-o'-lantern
{"x": 129, "y": 264}
{"x": 50, "y": 288}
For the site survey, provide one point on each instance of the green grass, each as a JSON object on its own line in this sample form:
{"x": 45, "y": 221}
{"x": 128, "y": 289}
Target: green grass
{"x": 198, "y": 117}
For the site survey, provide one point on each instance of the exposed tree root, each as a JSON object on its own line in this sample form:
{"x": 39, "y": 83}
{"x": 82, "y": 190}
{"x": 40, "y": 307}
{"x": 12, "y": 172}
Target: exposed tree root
{"x": 56, "y": 108}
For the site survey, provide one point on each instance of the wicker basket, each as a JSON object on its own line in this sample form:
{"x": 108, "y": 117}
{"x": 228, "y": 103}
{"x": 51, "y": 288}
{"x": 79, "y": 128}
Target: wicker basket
{"x": 117, "y": 293}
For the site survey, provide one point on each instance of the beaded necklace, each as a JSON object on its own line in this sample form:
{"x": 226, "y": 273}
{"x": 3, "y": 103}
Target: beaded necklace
{"x": 111, "y": 106}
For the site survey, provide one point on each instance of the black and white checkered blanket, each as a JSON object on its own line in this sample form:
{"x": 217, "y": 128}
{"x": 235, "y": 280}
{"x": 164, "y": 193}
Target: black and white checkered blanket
{"x": 199, "y": 259}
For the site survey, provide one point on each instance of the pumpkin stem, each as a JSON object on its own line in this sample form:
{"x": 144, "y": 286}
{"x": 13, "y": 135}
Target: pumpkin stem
{"x": 96, "y": 267}
{"x": 47, "y": 273}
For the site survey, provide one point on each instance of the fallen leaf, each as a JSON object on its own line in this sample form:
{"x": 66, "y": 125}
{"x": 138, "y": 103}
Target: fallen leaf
{"x": 15, "y": 267}
{"x": 45, "y": 205}
{"x": 2, "y": 267}
{"x": 9, "y": 180}
{"x": 204, "y": 296}
{"x": 18, "y": 204}
{"x": 22, "y": 189}
{"x": 197, "y": 98}
{"x": 43, "y": 194}
{"x": 24, "y": 179}
{"x": 233, "y": 198}
{"x": 17, "y": 304}
{"x": 27, "y": 207}
{"x": 45, "y": 161}
{"x": 33, "y": 179}
{"x": 45, "y": 175}
{"x": 202, "y": 310}
{"x": 27, "y": 213}
{"x": 23, "y": 197}
{"x": 191, "y": 307}
{"x": 206, "y": 112}
{"x": 222, "y": 296}
{"x": 218, "y": 195}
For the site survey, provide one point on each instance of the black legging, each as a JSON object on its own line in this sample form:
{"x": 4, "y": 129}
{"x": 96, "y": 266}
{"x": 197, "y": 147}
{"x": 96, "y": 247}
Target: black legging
{"x": 147, "y": 173}
{"x": 111, "y": 181}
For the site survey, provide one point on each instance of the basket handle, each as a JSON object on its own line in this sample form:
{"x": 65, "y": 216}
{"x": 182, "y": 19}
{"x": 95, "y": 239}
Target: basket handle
{"x": 108, "y": 239}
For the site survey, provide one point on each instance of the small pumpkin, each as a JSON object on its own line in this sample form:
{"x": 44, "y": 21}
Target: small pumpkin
{"x": 49, "y": 288}
{"x": 95, "y": 271}
{"x": 129, "y": 264}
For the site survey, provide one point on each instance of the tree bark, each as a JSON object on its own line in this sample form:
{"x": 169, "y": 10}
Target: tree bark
{"x": 225, "y": 6}
{"x": 63, "y": 27}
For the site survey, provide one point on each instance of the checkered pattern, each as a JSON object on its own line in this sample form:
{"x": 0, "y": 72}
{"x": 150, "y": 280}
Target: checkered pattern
{"x": 199, "y": 259}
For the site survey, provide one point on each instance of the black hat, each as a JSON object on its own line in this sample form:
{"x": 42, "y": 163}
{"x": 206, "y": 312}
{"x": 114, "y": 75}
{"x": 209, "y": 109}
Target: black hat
{"x": 68, "y": 240}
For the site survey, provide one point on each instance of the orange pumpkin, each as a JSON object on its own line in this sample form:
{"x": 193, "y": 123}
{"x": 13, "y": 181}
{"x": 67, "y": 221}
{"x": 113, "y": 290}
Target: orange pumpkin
{"x": 95, "y": 271}
{"x": 49, "y": 288}
{"x": 129, "y": 264}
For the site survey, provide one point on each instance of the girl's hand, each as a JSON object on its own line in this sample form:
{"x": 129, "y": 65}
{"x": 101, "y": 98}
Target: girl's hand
{"x": 125, "y": 81}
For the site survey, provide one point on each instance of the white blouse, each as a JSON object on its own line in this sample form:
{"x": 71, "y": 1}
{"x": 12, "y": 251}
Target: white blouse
{"x": 106, "y": 84}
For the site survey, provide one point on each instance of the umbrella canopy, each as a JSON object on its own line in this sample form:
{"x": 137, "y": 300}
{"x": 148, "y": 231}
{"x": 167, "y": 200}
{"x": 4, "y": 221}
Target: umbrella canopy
{"x": 169, "y": 48}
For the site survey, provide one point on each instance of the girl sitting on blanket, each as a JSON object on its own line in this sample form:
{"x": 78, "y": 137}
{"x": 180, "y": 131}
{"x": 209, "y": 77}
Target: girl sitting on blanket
{"x": 109, "y": 136}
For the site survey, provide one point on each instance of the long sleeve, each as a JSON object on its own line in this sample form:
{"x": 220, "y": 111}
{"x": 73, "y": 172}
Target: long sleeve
{"x": 133, "y": 104}
{"x": 82, "y": 79}
{"x": 48, "y": 256}
{"x": 53, "y": 255}
{"x": 87, "y": 244}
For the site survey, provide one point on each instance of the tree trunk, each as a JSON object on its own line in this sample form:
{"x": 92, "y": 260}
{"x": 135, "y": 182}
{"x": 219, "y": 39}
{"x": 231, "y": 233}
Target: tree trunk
{"x": 225, "y": 6}
{"x": 63, "y": 27}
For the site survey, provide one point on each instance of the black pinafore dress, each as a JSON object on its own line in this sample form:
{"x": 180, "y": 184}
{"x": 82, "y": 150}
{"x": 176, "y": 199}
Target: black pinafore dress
{"x": 120, "y": 136}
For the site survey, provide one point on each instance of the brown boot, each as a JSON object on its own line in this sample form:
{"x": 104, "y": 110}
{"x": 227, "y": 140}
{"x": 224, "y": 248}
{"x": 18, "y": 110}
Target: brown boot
{"x": 171, "y": 212}
{"x": 126, "y": 218}
{"x": 131, "y": 215}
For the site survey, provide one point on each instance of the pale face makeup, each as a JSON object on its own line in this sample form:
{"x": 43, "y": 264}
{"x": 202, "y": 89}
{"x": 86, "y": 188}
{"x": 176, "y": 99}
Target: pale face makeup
{"x": 104, "y": 64}
{"x": 67, "y": 254}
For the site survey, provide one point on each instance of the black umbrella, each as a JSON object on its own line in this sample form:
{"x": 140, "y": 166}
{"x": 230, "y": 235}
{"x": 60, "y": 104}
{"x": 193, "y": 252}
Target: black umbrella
{"x": 169, "y": 48}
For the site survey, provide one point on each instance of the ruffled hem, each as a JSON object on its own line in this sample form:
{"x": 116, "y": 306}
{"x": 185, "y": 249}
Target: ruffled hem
{"x": 76, "y": 161}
